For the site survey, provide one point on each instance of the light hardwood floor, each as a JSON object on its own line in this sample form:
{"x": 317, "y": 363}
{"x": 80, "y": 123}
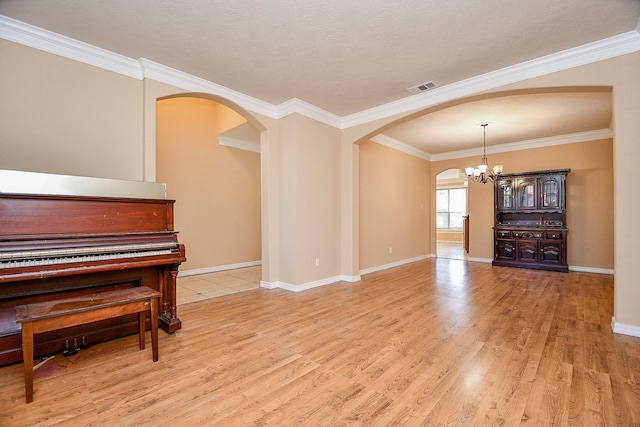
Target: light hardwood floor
{"x": 436, "y": 342}
{"x": 451, "y": 250}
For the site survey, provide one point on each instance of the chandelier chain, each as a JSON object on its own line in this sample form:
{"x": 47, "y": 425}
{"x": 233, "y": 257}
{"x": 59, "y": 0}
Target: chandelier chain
{"x": 483, "y": 173}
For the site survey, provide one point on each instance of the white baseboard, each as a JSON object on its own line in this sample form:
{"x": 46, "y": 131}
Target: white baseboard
{"x": 269, "y": 285}
{"x": 571, "y": 267}
{"x": 591, "y": 270}
{"x": 356, "y": 278}
{"x": 621, "y": 328}
{"x": 309, "y": 285}
{"x": 351, "y": 279}
{"x": 218, "y": 268}
{"x": 394, "y": 264}
{"x": 489, "y": 260}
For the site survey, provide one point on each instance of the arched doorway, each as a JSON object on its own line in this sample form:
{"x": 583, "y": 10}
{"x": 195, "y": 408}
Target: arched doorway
{"x": 216, "y": 186}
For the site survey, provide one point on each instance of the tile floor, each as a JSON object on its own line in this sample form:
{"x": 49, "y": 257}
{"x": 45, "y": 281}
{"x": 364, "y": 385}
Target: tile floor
{"x": 211, "y": 285}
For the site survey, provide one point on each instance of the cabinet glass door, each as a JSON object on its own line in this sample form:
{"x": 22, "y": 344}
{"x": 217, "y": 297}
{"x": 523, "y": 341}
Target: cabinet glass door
{"x": 551, "y": 196}
{"x": 527, "y": 193}
{"x": 506, "y": 193}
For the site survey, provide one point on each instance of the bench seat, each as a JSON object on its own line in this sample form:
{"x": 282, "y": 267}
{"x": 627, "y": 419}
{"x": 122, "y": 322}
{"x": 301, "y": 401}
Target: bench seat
{"x": 63, "y": 313}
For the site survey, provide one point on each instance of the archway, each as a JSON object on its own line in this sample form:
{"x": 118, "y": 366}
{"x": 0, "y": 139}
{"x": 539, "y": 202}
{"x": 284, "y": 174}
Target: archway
{"x": 539, "y": 155}
{"x": 217, "y": 188}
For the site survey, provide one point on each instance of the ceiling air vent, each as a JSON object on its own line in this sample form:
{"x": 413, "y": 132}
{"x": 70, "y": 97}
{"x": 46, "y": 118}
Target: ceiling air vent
{"x": 422, "y": 87}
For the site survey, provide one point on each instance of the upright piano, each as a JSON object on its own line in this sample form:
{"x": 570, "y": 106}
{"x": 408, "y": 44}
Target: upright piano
{"x": 59, "y": 245}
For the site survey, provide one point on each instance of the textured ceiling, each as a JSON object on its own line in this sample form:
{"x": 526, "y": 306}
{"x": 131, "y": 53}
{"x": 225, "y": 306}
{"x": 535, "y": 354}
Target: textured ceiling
{"x": 341, "y": 56}
{"x": 349, "y": 56}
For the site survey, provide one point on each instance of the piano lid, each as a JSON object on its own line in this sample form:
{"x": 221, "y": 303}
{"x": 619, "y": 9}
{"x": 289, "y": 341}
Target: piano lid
{"x": 20, "y": 182}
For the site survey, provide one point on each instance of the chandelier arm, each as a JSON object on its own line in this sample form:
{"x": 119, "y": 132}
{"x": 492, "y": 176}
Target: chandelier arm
{"x": 484, "y": 173}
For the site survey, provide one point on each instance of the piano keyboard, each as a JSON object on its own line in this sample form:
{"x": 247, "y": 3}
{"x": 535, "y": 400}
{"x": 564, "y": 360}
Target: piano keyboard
{"x": 85, "y": 254}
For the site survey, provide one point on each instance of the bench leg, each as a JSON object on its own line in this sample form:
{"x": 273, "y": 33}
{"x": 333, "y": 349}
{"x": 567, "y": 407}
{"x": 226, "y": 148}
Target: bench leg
{"x": 154, "y": 328}
{"x": 141, "y": 326}
{"x": 27, "y": 359}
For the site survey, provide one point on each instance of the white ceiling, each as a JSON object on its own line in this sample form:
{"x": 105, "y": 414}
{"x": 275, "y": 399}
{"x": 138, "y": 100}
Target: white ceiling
{"x": 345, "y": 57}
{"x": 512, "y": 118}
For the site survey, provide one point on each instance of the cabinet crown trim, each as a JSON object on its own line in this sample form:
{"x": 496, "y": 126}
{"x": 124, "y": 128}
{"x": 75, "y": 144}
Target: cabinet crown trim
{"x": 534, "y": 173}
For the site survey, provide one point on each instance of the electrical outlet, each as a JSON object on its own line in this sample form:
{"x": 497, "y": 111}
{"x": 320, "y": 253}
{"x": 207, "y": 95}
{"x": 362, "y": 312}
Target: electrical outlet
{"x": 390, "y": 250}
{"x": 317, "y": 262}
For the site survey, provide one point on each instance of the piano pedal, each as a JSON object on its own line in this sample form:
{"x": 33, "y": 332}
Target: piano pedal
{"x": 68, "y": 351}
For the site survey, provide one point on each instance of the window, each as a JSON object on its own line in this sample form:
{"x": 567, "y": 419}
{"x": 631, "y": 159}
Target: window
{"x": 451, "y": 206}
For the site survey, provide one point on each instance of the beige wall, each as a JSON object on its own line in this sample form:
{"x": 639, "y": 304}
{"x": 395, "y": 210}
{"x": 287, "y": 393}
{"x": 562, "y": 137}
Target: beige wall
{"x": 287, "y": 202}
{"x": 626, "y": 157}
{"x": 310, "y": 214}
{"x": 64, "y": 117}
{"x": 589, "y": 199}
{"x": 216, "y": 188}
{"x": 449, "y": 236}
{"x": 394, "y": 206}
{"x": 61, "y": 116}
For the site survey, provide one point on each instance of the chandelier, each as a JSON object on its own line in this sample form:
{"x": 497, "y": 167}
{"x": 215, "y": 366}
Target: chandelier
{"x": 483, "y": 173}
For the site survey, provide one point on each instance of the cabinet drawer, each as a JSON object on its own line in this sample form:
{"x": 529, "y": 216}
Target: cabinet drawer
{"x": 528, "y": 234}
{"x": 503, "y": 233}
{"x": 554, "y": 235}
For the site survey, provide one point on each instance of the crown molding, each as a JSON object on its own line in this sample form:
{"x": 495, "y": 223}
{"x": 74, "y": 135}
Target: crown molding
{"x": 229, "y": 141}
{"x": 529, "y": 144}
{"x": 395, "y": 144}
{"x": 161, "y": 73}
{"x": 47, "y": 41}
{"x": 592, "y": 52}
{"x": 38, "y": 38}
{"x": 295, "y": 105}
{"x": 501, "y": 148}
{"x": 243, "y": 137}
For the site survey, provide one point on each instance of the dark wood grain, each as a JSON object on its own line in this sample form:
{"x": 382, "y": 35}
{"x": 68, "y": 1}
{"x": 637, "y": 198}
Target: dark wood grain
{"x": 54, "y": 247}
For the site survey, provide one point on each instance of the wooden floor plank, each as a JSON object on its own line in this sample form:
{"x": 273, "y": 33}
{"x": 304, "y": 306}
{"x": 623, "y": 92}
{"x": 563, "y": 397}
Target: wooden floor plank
{"x": 435, "y": 342}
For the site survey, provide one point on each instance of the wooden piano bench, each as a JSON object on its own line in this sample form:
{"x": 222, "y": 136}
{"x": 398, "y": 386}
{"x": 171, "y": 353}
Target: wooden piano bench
{"x": 63, "y": 313}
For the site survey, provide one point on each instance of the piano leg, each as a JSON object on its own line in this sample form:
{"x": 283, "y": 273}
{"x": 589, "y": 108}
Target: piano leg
{"x": 27, "y": 359}
{"x": 169, "y": 316}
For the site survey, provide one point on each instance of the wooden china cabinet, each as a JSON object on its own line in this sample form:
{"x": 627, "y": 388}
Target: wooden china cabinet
{"x": 530, "y": 228}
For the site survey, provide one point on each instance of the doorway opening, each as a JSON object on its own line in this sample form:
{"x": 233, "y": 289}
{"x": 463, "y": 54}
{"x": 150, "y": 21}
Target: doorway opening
{"x": 451, "y": 215}
{"x": 208, "y": 155}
